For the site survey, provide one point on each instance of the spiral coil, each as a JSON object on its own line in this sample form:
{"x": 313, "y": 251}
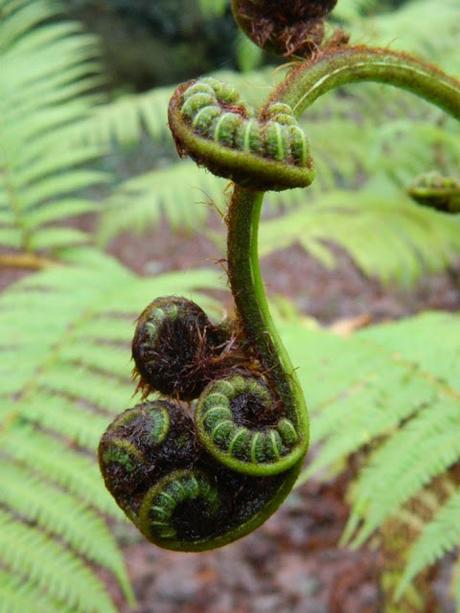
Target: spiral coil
{"x": 215, "y": 127}
{"x": 196, "y": 476}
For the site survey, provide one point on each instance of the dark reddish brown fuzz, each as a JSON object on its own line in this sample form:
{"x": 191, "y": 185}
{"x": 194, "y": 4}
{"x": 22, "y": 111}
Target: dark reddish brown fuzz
{"x": 173, "y": 347}
{"x": 136, "y": 450}
{"x": 288, "y": 28}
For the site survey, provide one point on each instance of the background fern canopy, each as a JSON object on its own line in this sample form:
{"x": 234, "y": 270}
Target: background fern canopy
{"x": 64, "y": 375}
{"x": 382, "y": 141}
{"x": 391, "y": 390}
{"x": 49, "y": 70}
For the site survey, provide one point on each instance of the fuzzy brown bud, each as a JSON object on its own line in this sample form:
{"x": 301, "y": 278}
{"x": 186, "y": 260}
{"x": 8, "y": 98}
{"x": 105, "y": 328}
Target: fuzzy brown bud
{"x": 291, "y": 27}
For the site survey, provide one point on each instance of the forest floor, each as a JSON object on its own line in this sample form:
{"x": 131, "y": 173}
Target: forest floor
{"x": 293, "y": 562}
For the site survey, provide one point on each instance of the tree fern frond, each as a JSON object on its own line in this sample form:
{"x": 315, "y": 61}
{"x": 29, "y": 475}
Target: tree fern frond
{"x": 84, "y": 531}
{"x": 52, "y": 412}
{"x": 173, "y": 193}
{"x": 52, "y": 460}
{"x": 51, "y": 567}
{"x": 17, "y": 597}
{"x": 387, "y": 237}
{"x": 426, "y": 447}
{"x": 61, "y": 378}
{"x": 48, "y": 72}
{"x": 412, "y": 340}
{"x": 440, "y": 536}
{"x": 390, "y": 391}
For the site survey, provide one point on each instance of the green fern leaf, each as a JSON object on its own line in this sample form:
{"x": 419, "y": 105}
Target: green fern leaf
{"x": 48, "y": 71}
{"x": 440, "y": 536}
{"x": 62, "y": 380}
{"x": 52, "y": 568}
{"x": 17, "y": 597}
{"x": 391, "y": 391}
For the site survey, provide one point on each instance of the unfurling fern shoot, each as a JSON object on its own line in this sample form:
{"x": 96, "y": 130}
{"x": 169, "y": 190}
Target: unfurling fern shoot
{"x": 217, "y": 455}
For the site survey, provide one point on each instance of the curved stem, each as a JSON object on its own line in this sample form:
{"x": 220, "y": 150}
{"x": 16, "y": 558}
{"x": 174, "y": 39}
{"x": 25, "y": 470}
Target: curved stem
{"x": 251, "y": 303}
{"x": 306, "y": 83}
{"x": 342, "y": 65}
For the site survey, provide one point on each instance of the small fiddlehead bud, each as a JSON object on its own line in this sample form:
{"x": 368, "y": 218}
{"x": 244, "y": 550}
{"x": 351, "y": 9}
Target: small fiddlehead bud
{"x": 173, "y": 346}
{"x": 436, "y": 191}
{"x": 242, "y": 427}
{"x": 288, "y": 27}
{"x": 212, "y": 125}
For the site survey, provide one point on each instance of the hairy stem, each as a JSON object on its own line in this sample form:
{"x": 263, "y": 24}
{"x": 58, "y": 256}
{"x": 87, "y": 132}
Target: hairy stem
{"x": 306, "y": 83}
{"x": 342, "y": 65}
{"x": 251, "y": 301}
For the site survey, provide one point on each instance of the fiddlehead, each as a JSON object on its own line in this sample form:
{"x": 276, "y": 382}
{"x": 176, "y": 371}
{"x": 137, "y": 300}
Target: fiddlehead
{"x": 199, "y": 475}
{"x": 172, "y": 485}
{"x": 174, "y": 348}
{"x": 436, "y": 191}
{"x": 211, "y": 124}
{"x": 241, "y": 426}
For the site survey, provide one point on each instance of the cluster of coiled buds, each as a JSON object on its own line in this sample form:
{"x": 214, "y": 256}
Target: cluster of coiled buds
{"x": 215, "y": 458}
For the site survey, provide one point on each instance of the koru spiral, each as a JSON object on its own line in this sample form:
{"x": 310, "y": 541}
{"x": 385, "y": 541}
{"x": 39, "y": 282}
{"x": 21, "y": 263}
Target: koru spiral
{"x": 214, "y": 460}
{"x": 218, "y": 448}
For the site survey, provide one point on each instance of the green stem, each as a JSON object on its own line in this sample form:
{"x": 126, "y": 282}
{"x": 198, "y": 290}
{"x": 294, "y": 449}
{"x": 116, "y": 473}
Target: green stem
{"x": 306, "y": 83}
{"x": 343, "y": 65}
{"x": 251, "y": 303}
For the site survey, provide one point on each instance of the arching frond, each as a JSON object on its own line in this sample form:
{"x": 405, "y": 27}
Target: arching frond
{"x": 391, "y": 238}
{"x": 62, "y": 378}
{"x": 48, "y": 70}
{"x": 438, "y": 538}
{"x": 391, "y": 391}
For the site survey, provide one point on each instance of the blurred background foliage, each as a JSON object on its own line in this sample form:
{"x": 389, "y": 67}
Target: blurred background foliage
{"x": 85, "y": 155}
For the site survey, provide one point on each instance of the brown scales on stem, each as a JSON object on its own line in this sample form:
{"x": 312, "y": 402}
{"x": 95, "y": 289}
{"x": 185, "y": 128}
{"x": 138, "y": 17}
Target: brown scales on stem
{"x": 287, "y": 28}
{"x": 188, "y": 352}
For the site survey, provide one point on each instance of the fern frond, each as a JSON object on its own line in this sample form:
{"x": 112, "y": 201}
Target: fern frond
{"x": 48, "y": 72}
{"x": 439, "y": 537}
{"x": 181, "y": 193}
{"x": 409, "y": 460}
{"x": 53, "y": 460}
{"x": 17, "y": 597}
{"x": 62, "y": 377}
{"x": 387, "y": 237}
{"x": 392, "y": 392}
{"x": 85, "y": 532}
{"x": 49, "y": 566}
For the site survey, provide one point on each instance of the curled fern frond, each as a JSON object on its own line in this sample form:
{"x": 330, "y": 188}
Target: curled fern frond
{"x": 436, "y": 191}
{"x": 175, "y": 346}
{"x": 195, "y": 483}
{"x": 210, "y": 123}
